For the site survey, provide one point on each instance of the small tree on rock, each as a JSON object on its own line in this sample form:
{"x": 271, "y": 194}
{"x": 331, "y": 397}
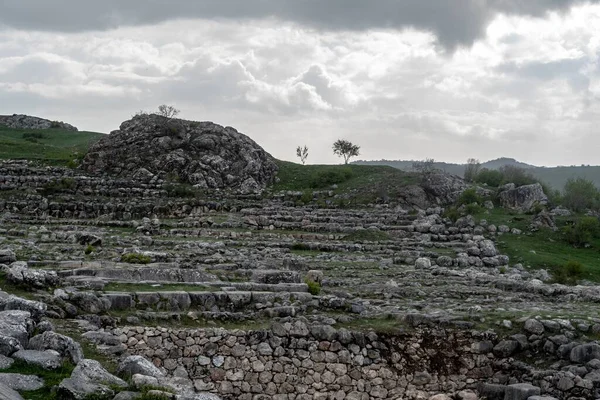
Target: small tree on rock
{"x": 168, "y": 112}
{"x": 344, "y": 148}
{"x": 302, "y": 153}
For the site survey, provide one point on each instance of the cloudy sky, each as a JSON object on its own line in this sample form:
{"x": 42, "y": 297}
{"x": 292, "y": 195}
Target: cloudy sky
{"x": 404, "y": 79}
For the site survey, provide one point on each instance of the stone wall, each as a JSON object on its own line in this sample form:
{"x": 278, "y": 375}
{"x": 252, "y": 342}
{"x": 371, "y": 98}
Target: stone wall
{"x": 317, "y": 361}
{"x": 296, "y": 361}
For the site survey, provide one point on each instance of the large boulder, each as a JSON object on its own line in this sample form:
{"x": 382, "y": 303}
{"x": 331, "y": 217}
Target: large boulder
{"x": 20, "y": 121}
{"x": 203, "y": 154}
{"x": 64, "y": 345}
{"x": 87, "y": 380}
{"x": 523, "y": 198}
{"x": 138, "y": 365}
{"x": 15, "y": 324}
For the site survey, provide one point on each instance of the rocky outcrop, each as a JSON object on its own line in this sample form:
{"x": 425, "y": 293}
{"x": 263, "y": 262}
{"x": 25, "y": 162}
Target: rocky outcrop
{"x": 523, "y": 198}
{"x": 203, "y": 154}
{"x": 20, "y": 121}
{"x": 444, "y": 188}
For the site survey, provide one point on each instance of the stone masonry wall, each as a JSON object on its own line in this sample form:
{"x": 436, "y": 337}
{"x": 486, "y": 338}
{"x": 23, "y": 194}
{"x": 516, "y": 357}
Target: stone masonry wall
{"x": 318, "y": 361}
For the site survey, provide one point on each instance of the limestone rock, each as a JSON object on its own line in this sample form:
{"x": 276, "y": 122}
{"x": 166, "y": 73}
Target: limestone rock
{"x": 138, "y": 365}
{"x": 87, "y": 379}
{"x": 20, "y": 121}
{"x": 521, "y": 391}
{"x": 200, "y": 153}
{"x": 64, "y": 345}
{"x": 21, "y": 382}
{"x": 6, "y": 393}
{"x": 524, "y": 197}
{"x": 47, "y": 359}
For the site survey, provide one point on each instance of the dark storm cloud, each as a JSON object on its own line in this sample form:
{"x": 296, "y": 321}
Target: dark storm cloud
{"x": 454, "y": 22}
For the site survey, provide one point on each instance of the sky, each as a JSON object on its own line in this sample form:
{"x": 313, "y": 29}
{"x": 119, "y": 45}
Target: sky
{"x": 403, "y": 79}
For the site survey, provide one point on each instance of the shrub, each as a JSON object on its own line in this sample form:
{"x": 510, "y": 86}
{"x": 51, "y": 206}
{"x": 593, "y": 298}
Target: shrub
{"x": 300, "y": 247}
{"x": 180, "y": 190}
{"x": 517, "y": 175}
{"x": 314, "y": 288}
{"x": 469, "y": 196}
{"x": 490, "y": 177}
{"x": 89, "y": 249}
{"x": 55, "y": 124}
{"x": 569, "y": 273}
{"x": 330, "y": 177}
{"x": 472, "y": 209}
{"x": 582, "y": 232}
{"x": 58, "y": 186}
{"x": 452, "y": 214}
{"x": 581, "y": 194}
{"x": 135, "y": 258}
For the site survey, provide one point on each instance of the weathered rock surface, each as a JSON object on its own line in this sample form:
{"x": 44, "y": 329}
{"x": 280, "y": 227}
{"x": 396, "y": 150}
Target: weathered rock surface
{"x": 204, "y": 154}
{"x": 523, "y": 198}
{"x": 48, "y": 359}
{"x": 64, "y": 345}
{"x": 20, "y": 121}
{"x": 21, "y": 382}
{"x": 87, "y": 379}
{"x": 138, "y": 365}
{"x": 6, "y": 393}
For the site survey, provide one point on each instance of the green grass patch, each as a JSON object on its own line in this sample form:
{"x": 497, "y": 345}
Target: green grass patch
{"x": 360, "y": 183}
{"x": 52, "y": 146}
{"x": 51, "y": 378}
{"x": 367, "y": 235}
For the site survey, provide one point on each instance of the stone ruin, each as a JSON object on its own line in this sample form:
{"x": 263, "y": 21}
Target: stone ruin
{"x": 213, "y": 297}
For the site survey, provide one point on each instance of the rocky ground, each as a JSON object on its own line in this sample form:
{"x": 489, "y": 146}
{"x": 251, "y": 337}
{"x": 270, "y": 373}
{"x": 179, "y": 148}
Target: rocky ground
{"x": 232, "y": 295}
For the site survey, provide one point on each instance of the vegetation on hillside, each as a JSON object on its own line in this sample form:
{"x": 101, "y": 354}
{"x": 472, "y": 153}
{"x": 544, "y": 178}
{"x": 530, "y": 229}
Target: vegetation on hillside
{"x": 52, "y": 146}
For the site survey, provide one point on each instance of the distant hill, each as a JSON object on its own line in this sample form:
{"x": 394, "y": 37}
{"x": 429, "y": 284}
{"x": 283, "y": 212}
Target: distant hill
{"x": 54, "y": 146}
{"x": 553, "y": 176}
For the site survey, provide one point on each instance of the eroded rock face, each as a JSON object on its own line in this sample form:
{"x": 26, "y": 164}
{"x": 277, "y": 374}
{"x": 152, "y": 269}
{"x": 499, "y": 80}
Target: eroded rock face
{"x": 524, "y": 197}
{"x": 444, "y": 188}
{"x": 201, "y": 153}
{"x": 20, "y": 121}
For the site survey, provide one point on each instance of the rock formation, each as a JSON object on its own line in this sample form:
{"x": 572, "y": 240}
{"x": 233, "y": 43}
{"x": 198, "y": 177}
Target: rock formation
{"x": 523, "y": 198}
{"x": 20, "y": 121}
{"x": 203, "y": 154}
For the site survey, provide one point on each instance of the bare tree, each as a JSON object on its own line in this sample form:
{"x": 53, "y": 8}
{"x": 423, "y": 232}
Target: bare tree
{"x": 425, "y": 167}
{"x": 344, "y": 148}
{"x": 472, "y": 169}
{"x": 302, "y": 153}
{"x": 168, "y": 112}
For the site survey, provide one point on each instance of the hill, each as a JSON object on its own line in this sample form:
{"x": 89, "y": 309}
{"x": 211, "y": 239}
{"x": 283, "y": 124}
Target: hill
{"x": 556, "y": 177}
{"x": 54, "y": 146}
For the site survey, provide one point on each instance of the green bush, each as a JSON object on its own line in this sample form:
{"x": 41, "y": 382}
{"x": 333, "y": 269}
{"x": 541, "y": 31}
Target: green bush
{"x": 472, "y": 209}
{"x": 517, "y": 175}
{"x": 314, "y": 288}
{"x": 582, "y": 232}
{"x": 56, "y": 186}
{"x": 89, "y": 249}
{"x": 452, "y": 214}
{"x": 469, "y": 196}
{"x": 490, "y": 177}
{"x": 330, "y": 177}
{"x": 581, "y": 194}
{"x": 135, "y": 258}
{"x": 300, "y": 247}
{"x": 569, "y": 273}
{"x": 180, "y": 190}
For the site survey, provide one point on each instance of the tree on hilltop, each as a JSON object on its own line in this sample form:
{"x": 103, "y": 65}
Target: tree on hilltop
{"x": 344, "y": 148}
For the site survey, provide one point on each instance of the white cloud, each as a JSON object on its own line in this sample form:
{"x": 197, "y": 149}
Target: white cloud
{"x": 529, "y": 88}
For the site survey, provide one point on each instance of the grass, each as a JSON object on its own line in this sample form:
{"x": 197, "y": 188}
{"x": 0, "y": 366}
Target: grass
{"x": 373, "y": 181}
{"x": 51, "y": 378}
{"x": 52, "y": 146}
{"x": 367, "y": 235}
{"x": 545, "y": 248}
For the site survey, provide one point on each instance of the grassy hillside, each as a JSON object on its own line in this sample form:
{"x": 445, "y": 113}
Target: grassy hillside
{"x": 544, "y": 248}
{"x": 373, "y": 181}
{"x": 54, "y": 146}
